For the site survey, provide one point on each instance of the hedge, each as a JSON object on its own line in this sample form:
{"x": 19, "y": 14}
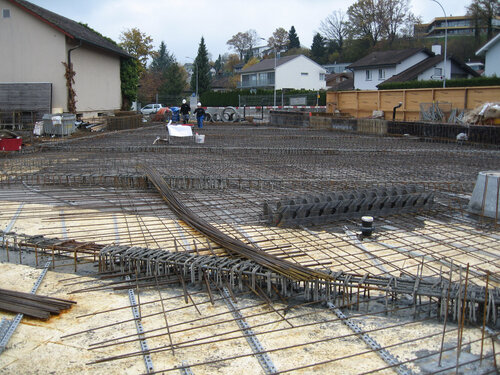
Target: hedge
{"x": 231, "y": 98}
{"x": 463, "y": 82}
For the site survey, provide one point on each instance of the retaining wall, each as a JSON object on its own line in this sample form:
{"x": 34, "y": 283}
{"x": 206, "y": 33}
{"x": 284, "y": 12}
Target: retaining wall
{"x": 476, "y": 133}
{"x": 362, "y": 103}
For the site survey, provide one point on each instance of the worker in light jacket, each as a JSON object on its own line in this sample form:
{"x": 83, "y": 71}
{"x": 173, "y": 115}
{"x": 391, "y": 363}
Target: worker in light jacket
{"x": 185, "y": 109}
{"x": 200, "y": 115}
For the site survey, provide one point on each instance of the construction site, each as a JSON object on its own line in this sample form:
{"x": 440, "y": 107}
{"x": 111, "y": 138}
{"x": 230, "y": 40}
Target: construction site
{"x": 263, "y": 250}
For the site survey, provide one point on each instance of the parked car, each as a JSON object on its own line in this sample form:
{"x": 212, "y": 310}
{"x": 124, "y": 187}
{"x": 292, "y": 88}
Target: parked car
{"x": 151, "y": 108}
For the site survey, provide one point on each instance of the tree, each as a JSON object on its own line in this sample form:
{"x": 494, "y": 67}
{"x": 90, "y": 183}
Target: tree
{"x": 243, "y": 42}
{"x": 232, "y": 61}
{"x": 201, "y": 69}
{"x": 335, "y": 28}
{"x": 218, "y": 65}
{"x": 250, "y": 62}
{"x": 293, "y": 39}
{"x": 364, "y": 21}
{"x": 174, "y": 80}
{"x": 129, "y": 77}
{"x": 484, "y": 12}
{"x": 394, "y": 14}
{"x": 318, "y": 50}
{"x": 162, "y": 59}
{"x": 279, "y": 39}
{"x": 137, "y": 44}
{"x": 379, "y": 19}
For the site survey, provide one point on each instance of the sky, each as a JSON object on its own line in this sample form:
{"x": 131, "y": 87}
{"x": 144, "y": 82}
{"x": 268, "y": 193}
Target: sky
{"x": 182, "y": 23}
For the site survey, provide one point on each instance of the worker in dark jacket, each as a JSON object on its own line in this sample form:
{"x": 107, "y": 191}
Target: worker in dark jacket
{"x": 185, "y": 109}
{"x": 200, "y": 115}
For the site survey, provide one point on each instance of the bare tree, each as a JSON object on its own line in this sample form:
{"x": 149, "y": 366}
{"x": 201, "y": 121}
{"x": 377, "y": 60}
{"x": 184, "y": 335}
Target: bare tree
{"x": 377, "y": 19}
{"x": 335, "y": 28}
{"x": 279, "y": 39}
{"x": 243, "y": 42}
{"x": 365, "y": 20}
{"x": 484, "y": 12}
{"x": 252, "y": 38}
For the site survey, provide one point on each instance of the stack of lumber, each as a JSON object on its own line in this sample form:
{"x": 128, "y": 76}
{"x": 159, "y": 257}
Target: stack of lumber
{"x": 32, "y": 305}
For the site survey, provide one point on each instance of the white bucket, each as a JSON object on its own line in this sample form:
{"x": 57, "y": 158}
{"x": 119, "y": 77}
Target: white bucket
{"x": 199, "y": 138}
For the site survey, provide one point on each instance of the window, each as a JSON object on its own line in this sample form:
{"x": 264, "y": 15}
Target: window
{"x": 381, "y": 74}
{"x": 368, "y": 75}
{"x": 438, "y": 72}
{"x": 304, "y": 74}
{"x": 6, "y": 13}
{"x": 322, "y": 76}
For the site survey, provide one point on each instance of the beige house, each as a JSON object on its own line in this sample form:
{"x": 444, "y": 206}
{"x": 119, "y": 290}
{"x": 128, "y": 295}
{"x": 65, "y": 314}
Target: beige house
{"x": 35, "y": 44}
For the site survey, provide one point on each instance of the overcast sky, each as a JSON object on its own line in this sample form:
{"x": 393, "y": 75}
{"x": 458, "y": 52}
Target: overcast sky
{"x": 182, "y": 23}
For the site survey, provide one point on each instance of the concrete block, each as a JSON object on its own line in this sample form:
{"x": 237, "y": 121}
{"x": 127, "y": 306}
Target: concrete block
{"x": 485, "y": 197}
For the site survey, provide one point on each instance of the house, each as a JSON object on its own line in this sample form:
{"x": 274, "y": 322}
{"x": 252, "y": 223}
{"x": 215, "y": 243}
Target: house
{"x": 38, "y": 44}
{"x": 221, "y": 83}
{"x": 432, "y": 68}
{"x": 455, "y": 26}
{"x": 491, "y": 52}
{"x": 340, "y": 81}
{"x": 291, "y": 72}
{"x": 378, "y": 66}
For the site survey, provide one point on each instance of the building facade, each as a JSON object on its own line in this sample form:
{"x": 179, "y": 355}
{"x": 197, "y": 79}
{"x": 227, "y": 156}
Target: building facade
{"x": 39, "y": 43}
{"x": 289, "y": 72}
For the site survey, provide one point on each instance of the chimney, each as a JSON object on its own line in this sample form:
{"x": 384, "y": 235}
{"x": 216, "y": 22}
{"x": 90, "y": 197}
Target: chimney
{"x": 436, "y": 48}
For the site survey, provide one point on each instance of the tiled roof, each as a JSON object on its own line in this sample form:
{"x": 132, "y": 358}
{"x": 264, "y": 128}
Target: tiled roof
{"x": 412, "y": 73}
{"x": 268, "y": 64}
{"x": 72, "y": 29}
{"x": 386, "y": 58}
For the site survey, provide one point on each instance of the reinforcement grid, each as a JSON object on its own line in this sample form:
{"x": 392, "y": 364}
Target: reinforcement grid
{"x": 92, "y": 191}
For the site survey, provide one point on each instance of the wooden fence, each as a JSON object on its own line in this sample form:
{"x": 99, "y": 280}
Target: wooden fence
{"x": 362, "y": 103}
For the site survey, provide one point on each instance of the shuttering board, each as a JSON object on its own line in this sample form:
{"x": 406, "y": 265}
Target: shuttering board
{"x": 26, "y": 97}
{"x": 363, "y": 103}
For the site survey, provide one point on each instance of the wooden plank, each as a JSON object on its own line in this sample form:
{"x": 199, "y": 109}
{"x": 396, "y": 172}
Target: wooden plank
{"x": 365, "y": 102}
{"x": 479, "y": 95}
{"x": 25, "y": 97}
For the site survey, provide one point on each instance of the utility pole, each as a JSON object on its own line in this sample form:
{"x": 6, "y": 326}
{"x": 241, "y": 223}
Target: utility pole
{"x": 445, "y": 41}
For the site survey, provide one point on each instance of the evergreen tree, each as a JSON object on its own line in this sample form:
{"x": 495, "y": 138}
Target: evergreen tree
{"x": 174, "y": 79}
{"x": 218, "y": 65}
{"x": 318, "y": 50}
{"x": 293, "y": 39}
{"x": 162, "y": 59}
{"x": 201, "y": 69}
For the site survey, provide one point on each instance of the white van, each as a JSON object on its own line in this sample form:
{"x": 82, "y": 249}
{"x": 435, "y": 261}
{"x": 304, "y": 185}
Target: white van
{"x": 150, "y": 108}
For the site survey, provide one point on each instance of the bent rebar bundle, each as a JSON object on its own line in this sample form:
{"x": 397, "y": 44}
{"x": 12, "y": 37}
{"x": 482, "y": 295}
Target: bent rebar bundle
{"x": 242, "y": 274}
{"x": 330, "y": 207}
{"x": 234, "y": 247}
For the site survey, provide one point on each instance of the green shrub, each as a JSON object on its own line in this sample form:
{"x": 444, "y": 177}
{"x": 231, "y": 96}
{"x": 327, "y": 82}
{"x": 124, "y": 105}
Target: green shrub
{"x": 462, "y": 82}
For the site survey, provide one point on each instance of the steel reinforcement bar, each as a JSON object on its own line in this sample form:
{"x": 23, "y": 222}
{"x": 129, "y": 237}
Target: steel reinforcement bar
{"x": 237, "y": 273}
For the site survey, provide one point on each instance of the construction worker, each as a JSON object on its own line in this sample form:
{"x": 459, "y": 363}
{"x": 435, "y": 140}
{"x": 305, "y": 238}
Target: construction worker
{"x": 200, "y": 115}
{"x": 185, "y": 109}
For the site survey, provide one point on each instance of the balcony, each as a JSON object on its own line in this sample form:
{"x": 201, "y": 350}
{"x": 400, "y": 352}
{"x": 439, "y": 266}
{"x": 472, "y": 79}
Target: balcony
{"x": 252, "y": 84}
{"x": 259, "y": 80}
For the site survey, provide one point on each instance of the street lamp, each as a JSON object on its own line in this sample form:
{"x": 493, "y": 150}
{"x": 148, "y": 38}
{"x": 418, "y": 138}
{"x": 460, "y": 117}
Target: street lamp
{"x": 196, "y": 65}
{"x": 274, "y": 90}
{"x": 445, "y": 41}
